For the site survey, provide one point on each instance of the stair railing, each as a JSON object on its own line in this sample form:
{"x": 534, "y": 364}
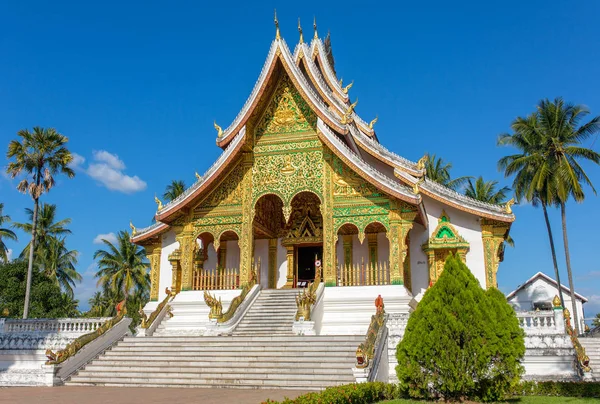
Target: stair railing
{"x": 150, "y": 323}
{"x": 79, "y": 352}
{"x": 369, "y": 352}
{"x": 583, "y": 361}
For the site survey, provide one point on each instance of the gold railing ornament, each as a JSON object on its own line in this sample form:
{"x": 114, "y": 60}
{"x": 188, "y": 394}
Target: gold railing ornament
{"x": 305, "y": 300}
{"x": 216, "y": 307}
{"x": 72, "y": 348}
{"x": 583, "y": 361}
{"x": 365, "y": 351}
{"x": 148, "y": 320}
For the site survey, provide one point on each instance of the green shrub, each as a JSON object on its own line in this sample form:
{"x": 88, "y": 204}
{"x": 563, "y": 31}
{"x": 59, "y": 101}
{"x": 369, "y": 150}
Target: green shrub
{"x": 460, "y": 342}
{"x": 561, "y": 389}
{"x": 357, "y": 393}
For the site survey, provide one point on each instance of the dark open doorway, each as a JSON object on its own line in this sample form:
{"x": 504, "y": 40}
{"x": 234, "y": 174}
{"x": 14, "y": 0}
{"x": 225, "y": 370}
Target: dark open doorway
{"x": 306, "y": 263}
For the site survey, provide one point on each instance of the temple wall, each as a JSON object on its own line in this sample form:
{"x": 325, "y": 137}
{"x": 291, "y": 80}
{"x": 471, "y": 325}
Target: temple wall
{"x": 468, "y": 226}
{"x": 211, "y": 262}
{"x": 383, "y": 248}
{"x": 418, "y": 260}
{"x": 169, "y": 244}
{"x": 232, "y": 259}
{"x": 281, "y": 264}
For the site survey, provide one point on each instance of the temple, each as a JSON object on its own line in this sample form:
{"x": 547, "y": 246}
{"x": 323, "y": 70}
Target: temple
{"x": 303, "y": 178}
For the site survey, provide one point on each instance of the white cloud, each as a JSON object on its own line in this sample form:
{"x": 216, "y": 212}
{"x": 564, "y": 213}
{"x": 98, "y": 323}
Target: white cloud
{"x": 111, "y": 159}
{"x": 9, "y": 253}
{"x": 110, "y": 237}
{"x": 77, "y": 161}
{"x": 107, "y": 169}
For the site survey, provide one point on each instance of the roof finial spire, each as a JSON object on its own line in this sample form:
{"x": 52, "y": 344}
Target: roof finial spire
{"x": 315, "y": 27}
{"x": 300, "y": 31}
{"x": 277, "y": 36}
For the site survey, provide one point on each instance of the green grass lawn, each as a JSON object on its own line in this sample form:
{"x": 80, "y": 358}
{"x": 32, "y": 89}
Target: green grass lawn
{"x": 523, "y": 400}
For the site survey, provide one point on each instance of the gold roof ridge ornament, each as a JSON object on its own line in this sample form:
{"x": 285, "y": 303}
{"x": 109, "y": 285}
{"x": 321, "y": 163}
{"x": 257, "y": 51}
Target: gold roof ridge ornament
{"x": 373, "y": 122}
{"x": 346, "y": 118}
{"x": 422, "y": 161}
{"x": 300, "y": 31}
{"x": 416, "y": 189}
{"x": 219, "y": 130}
{"x": 133, "y": 229}
{"x": 198, "y": 176}
{"x": 316, "y": 36}
{"x": 507, "y": 207}
{"x": 277, "y": 36}
{"x": 158, "y": 202}
{"x": 348, "y": 87}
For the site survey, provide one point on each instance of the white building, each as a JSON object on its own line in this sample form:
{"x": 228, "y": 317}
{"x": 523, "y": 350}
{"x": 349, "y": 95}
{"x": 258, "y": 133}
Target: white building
{"x": 538, "y": 291}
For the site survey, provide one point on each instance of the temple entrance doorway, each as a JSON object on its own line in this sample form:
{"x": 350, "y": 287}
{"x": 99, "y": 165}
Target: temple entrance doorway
{"x": 306, "y": 258}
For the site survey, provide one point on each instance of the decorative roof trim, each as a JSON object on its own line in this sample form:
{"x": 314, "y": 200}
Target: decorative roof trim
{"x": 382, "y": 154}
{"x": 204, "y": 181}
{"x": 148, "y": 232}
{"x": 548, "y": 279}
{"x": 330, "y": 77}
{"x": 317, "y": 79}
{"x": 363, "y": 168}
{"x": 462, "y": 202}
{"x": 279, "y": 50}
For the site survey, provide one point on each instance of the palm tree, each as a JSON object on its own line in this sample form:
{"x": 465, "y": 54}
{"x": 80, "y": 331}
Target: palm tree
{"x": 559, "y": 122}
{"x": 47, "y": 229}
{"x": 123, "y": 268}
{"x": 58, "y": 264}
{"x": 41, "y": 154}
{"x": 485, "y": 191}
{"x": 525, "y": 166}
{"x": 6, "y": 234}
{"x": 596, "y": 321}
{"x": 97, "y": 304}
{"x": 173, "y": 190}
{"x": 439, "y": 171}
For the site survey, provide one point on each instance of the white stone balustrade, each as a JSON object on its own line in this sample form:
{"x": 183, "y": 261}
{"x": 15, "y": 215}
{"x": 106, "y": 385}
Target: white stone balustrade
{"x": 78, "y": 326}
{"x": 542, "y": 322}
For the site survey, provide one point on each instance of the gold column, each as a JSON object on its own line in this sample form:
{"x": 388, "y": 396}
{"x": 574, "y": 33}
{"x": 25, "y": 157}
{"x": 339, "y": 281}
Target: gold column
{"x": 402, "y": 218}
{"x": 407, "y": 271}
{"x": 290, "y": 267}
{"x": 372, "y": 246}
{"x": 247, "y": 232}
{"x": 186, "y": 246}
{"x": 153, "y": 255}
{"x": 347, "y": 240}
{"x": 329, "y": 233}
{"x": 492, "y": 235}
{"x": 431, "y": 265}
{"x": 174, "y": 260}
{"x": 272, "y": 263}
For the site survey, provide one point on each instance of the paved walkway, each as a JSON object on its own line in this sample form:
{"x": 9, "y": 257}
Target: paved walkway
{"x": 133, "y": 395}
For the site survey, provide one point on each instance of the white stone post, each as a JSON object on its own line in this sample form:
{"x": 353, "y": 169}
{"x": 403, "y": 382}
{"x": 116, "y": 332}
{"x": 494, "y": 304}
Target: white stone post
{"x": 559, "y": 320}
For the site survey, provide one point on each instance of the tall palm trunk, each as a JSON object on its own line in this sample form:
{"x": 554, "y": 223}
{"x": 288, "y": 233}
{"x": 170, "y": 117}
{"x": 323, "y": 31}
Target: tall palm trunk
{"x": 563, "y": 213}
{"x": 30, "y": 264}
{"x": 554, "y": 261}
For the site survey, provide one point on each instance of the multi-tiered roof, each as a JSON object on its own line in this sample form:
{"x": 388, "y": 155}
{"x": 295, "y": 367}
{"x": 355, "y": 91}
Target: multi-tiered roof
{"x": 351, "y": 138}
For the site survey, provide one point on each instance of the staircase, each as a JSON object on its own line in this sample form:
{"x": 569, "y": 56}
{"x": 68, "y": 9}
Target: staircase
{"x": 592, "y": 349}
{"x": 272, "y": 313}
{"x": 276, "y": 361}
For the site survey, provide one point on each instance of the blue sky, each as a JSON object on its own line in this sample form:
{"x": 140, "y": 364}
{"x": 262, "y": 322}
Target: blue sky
{"x": 136, "y": 87}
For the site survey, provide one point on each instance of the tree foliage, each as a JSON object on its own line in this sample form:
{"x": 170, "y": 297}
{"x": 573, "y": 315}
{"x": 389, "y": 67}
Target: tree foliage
{"x": 486, "y": 191}
{"x": 5, "y": 234}
{"x": 439, "y": 171}
{"x": 47, "y": 300}
{"x": 461, "y": 342}
{"x": 173, "y": 190}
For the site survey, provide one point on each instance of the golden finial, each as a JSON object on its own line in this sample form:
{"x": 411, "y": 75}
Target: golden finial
{"x": 300, "y": 31}
{"x": 510, "y": 203}
{"x": 346, "y": 117}
{"x": 348, "y": 87}
{"x": 277, "y": 36}
{"x": 133, "y": 230}
{"x": 416, "y": 186}
{"x": 198, "y": 176}
{"x": 315, "y": 27}
{"x": 341, "y": 81}
{"x": 556, "y": 301}
{"x": 373, "y": 122}
{"x": 219, "y": 130}
{"x": 158, "y": 202}
{"x": 422, "y": 161}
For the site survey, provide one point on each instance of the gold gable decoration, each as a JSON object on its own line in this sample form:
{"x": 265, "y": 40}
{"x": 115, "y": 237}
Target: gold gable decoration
{"x": 443, "y": 241}
{"x": 287, "y": 112}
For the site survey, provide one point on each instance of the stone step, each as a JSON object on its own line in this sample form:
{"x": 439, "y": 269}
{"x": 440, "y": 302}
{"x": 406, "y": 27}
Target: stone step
{"x": 201, "y": 344}
{"x": 210, "y": 361}
{"x": 295, "y": 338}
{"x": 212, "y": 372}
{"x": 217, "y": 381}
{"x": 225, "y": 348}
{"x": 204, "y": 354}
{"x": 184, "y": 364}
{"x": 174, "y": 385}
{"x": 267, "y": 320}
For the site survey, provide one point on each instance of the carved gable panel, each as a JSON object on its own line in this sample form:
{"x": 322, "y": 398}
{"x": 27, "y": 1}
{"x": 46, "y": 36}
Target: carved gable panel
{"x": 228, "y": 192}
